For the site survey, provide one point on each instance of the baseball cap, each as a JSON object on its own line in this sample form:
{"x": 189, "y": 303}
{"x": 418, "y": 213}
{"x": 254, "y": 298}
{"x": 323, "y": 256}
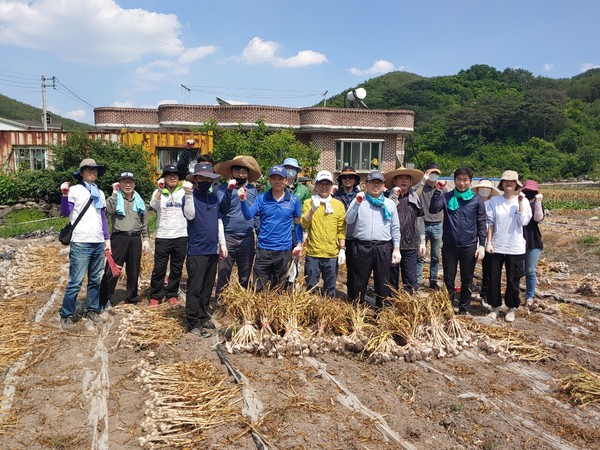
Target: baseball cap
{"x": 126, "y": 175}
{"x": 375, "y": 175}
{"x": 324, "y": 175}
{"x": 278, "y": 170}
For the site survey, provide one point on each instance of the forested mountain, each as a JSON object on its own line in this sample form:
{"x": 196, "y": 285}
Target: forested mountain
{"x": 491, "y": 120}
{"x": 16, "y": 110}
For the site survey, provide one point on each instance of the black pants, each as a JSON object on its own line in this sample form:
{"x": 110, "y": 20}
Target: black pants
{"x": 407, "y": 269}
{"x": 125, "y": 250}
{"x": 515, "y": 269}
{"x": 364, "y": 257}
{"x": 240, "y": 251}
{"x": 202, "y": 271}
{"x": 165, "y": 249}
{"x": 271, "y": 267}
{"x": 485, "y": 276}
{"x": 451, "y": 258}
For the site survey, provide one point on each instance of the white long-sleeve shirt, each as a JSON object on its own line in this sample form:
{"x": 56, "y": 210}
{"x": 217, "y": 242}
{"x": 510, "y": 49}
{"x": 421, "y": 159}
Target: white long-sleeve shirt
{"x": 170, "y": 221}
{"x": 508, "y": 224}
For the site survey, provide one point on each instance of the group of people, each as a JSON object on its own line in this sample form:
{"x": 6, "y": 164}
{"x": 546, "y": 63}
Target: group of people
{"x": 380, "y": 233}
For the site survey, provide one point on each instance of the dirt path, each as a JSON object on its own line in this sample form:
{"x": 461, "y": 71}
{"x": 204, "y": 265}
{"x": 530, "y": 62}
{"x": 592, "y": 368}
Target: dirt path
{"x": 84, "y": 389}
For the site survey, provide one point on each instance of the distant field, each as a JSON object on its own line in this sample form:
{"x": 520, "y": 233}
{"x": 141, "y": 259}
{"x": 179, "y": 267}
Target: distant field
{"x": 571, "y": 196}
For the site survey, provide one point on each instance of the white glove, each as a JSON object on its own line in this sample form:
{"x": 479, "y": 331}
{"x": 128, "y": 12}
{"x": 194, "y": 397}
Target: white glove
{"x": 107, "y": 245}
{"x": 360, "y": 197}
{"x": 342, "y": 257}
{"x": 231, "y": 184}
{"x": 521, "y": 196}
{"x": 489, "y": 248}
{"x": 297, "y": 251}
{"x": 161, "y": 183}
{"x": 480, "y": 252}
{"x": 396, "y": 191}
{"x": 539, "y": 197}
{"x": 396, "y": 257}
{"x": 334, "y": 189}
{"x": 64, "y": 188}
{"x": 241, "y": 192}
{"x": 422, "y": 249}
{"x": 187, "y": 187}
{"x": 116, "y": 186}
{"x": 223, "y": 251}
{"x": 145, "y": 246}
{"x": 315, "y": 204}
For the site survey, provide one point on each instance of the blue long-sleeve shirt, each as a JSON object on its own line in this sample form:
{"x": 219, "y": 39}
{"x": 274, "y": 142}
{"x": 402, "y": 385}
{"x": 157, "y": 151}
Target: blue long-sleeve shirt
{"x": 366, "y": 222}
{"x": 234, "y": 222}
{"x": 276, "y": 220}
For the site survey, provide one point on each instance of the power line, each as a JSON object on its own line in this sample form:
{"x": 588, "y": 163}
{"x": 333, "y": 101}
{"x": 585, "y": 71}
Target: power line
{"x": 64, "y": 89}
{"x": 245, "y": 92}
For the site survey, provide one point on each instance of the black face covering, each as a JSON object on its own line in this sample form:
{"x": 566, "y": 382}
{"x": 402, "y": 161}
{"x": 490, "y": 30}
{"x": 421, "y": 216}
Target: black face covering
{"x": 203, "y": 186}
{"x": 240, "y": 181}
{"x": 529, "y": 195}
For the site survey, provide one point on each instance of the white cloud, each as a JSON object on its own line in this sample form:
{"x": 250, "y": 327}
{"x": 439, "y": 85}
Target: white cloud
{"x": 167, "y": 102}
{"x": 548, "y": 67}
{"x": 98, "y": 32}
{"x": 379, "y": 67}
{"x": 263, "y": 52}
{"x": 587, "y": 66}
{"x": 119, "y": 104}
{"x": 78, "y": 114}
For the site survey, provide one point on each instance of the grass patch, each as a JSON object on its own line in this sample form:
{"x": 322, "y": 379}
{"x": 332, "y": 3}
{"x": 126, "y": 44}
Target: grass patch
{"x": 589, "y": 241}
{"x": 26, "y": 221}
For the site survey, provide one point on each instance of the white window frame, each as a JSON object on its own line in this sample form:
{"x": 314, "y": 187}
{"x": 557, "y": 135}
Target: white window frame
{"x": 24, "y": 156}
{"x": 362, "y": 146}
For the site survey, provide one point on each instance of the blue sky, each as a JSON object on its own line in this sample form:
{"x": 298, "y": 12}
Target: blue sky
{"x": 138, "y": 53}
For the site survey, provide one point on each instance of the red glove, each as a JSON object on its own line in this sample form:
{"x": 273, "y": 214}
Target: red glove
{"x": 521, "y": 196}
{"x": 161, "y": 183}
{"x": 64, "y": 188}
{"x": 334, "y": 189}
{"x": 441, "y": 184}
{"x": 242, "y": 194}
{"x": 360, "y": 197}
{"x": 231, "y": 184}
{"x": 297, "y": 251}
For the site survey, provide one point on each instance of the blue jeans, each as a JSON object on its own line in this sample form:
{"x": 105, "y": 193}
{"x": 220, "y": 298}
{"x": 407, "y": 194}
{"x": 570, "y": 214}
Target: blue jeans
{"x": 433, "y": 234}
{"x": 531, "y": 261}
{"x": 84, "y": 258}
{"x": 314, "y": 267}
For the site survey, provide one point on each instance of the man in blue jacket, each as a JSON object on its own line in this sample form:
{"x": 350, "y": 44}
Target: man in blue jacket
{"x": 279, "y": 211}
{"x": 464, "y": 233}
{"x": 241, "y": 172}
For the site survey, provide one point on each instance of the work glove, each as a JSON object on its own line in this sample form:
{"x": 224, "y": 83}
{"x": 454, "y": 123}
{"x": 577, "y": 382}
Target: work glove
{"x": 297, "y": 251}
{"x": 107, "y": 245}
{"x": 231, "y": 185}
{"x": 396, "y": 191}
{"x": 188, "y": 188}
{"x": 145, "y": 246}
{"x": 422, "y": 246}
{"x": 334, "y": 189}
{"x": 360, "y": 197}
{"x": 396, "y": 257}
{"x": 116, "y": 186}
{"x": 242, "y": 194}
{"x": 441, "y": 184}
{"x": 64, "y": 188}
{"x": 489, "y": 248}
{"x": 480, "y": 252}
{"x": 315, "y": 204}
{"x": 539, "y": 197}
{"x": 161, "y": 183}
{"x": 223, "y": 251}
{"x": 521, "y": 196}
{"x": 341, "y": 257}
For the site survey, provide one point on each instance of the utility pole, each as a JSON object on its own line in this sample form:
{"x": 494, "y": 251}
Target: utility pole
{"x": 44, "y": 112}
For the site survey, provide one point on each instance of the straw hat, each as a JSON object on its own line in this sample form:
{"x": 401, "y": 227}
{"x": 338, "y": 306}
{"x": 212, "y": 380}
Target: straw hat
{"x": 415, "y": 175}
{"x": 486, "y": 184}
{"x": 224, "y": 168}
{"x": 510, "y": 175}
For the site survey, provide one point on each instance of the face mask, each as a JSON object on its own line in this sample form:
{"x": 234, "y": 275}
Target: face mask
{"x": 203, "y": 186}
{"x": 240, "y": 181}
{"x": 484, "y": 192}
{"x": 291, "y": 173}
{"x": 434, "y": 177}
{"x": 529, "y": 195}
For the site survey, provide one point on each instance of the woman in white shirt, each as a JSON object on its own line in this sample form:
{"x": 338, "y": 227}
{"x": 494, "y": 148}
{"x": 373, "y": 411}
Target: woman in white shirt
{"x": 506, "y": 215}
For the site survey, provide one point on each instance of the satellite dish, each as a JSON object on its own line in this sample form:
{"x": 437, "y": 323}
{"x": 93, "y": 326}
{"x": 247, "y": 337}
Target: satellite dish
{"x": 356, "y": 97}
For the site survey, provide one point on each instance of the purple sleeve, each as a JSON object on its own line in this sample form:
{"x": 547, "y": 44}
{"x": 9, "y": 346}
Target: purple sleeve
{"x": 66, "y": 207}
{"x": 104, "y": 224}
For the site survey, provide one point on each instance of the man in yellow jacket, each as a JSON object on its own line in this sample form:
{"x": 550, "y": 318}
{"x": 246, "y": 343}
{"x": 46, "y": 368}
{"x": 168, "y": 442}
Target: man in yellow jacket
{"x": 323, "y": 218}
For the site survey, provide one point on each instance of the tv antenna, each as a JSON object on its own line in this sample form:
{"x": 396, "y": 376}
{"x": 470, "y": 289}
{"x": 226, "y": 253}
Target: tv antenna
{"x": 186, "y": 93}
{"x": 356, "y": 97}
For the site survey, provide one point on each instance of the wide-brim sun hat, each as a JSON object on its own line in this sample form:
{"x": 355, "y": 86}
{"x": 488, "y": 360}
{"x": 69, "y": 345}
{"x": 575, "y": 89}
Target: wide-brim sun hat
{"x": 510, "y": 175}
{"x": 415, "y": 175}
{"x": 292, "y": 162}
{"x": 91, "y": 163}
{"x": 530, "y": 185}
{"x": 224, "y": 168}
{"x": 486, "y": 184}
{"x": 348, "y": 171}
{"x": 203, "y": 169}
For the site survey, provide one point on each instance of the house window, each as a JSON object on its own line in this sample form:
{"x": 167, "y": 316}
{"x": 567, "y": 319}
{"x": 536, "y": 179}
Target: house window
{"x": 361, "y": 155}
{"x": 168, "y": 156}
{"x": 31, "y": 158}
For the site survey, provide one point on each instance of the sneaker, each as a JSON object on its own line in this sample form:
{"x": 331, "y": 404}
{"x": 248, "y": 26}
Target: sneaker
{"x": 434, "y": 286}
{"x": 153, "y": 302}
{"x": 463, "y": 312}
{"x": 510, "y": 315}
{"x": 208, "y": 324}
{"x": 485, "y": 304}
{"x": 200, "y": 332}
{"x": 493, "y": 314}
{"x": 529, "y": 302}
{"x": 173, "y": 300}
{"x": 94, "y": 317}
{"x": 66, "y": 323}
